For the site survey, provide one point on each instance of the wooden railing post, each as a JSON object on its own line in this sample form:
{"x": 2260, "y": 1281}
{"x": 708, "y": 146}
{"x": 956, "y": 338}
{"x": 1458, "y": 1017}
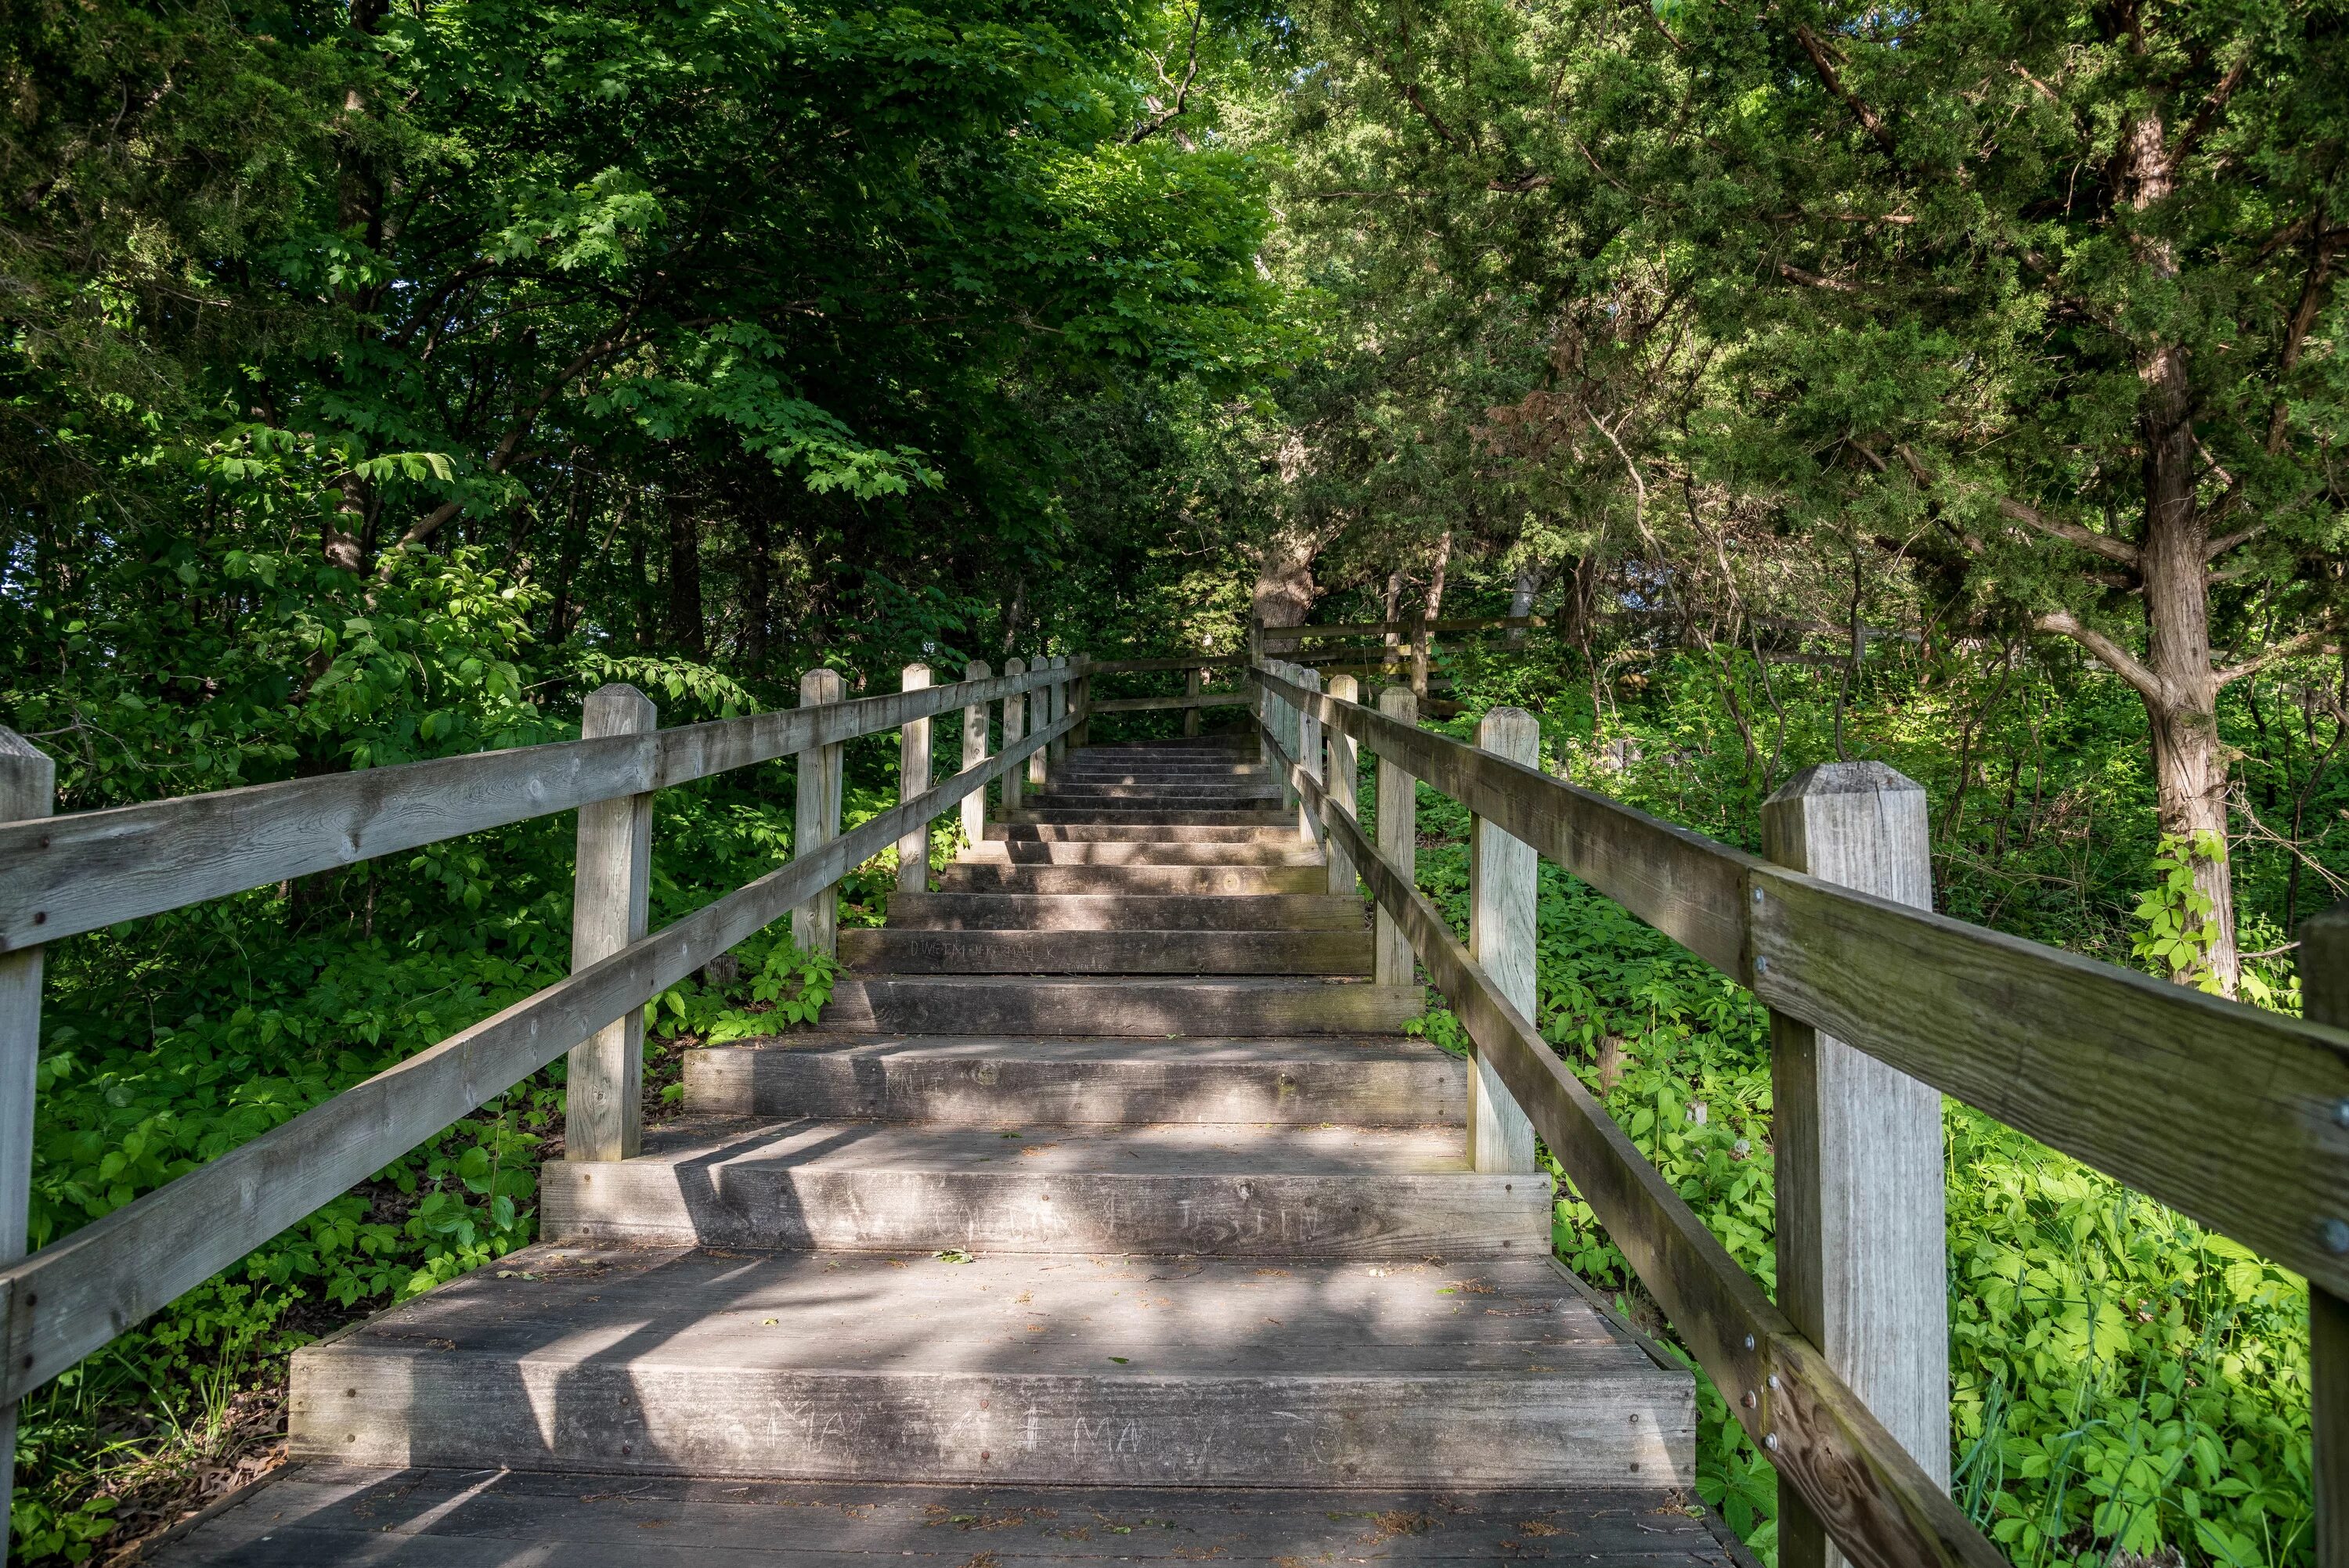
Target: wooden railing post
{"x": 1863, "y": 1260}
{"x": 1193, "y": 683}
{"x": 815, "y": 925}
{"x": 1338, "y": 779}
{"x": 611, "y": 887}
{"x": 1015, "y": 724}
{"x": 1503, "y": 873}
{"x": 1082, "y": 733}
{"x": 28, "y": 789}
{"x": 1063, "y": 695}
{"x": 914, "y": 779}
{"x": 1397, "y": 826}
{"x": 974, "y": 752}
{"x": 2324, "y": 996}
{"x": 1039, "y": 717}
{"x": 1308, "y": 748}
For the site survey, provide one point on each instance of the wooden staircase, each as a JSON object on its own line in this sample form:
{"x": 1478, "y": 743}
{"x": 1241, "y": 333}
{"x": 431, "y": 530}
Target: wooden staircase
{"x": 1109, "y": 1168}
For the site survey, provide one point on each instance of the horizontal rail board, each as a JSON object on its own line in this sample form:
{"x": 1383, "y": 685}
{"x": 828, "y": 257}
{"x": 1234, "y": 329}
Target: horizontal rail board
{"x": 1685, "y": 884}
{"x": 1140, "y": 667}
{"x": 2228, "y": 1114}
{"x": 1180, "y": 699}
{"x": 74, "y": 1295}
{"x": 1874, "y": 1498}
{"x": 63, "y": 875}
{"x": 2224, "y": 1112}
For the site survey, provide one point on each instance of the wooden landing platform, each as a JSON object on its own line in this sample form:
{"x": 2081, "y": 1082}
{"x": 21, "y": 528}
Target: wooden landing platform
{"x": 333, "y": 1517}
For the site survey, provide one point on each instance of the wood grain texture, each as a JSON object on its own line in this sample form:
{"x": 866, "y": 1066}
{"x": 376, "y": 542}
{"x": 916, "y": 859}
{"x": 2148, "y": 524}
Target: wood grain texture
{"x": 74, "y": 1295}
{"x": 323, "y": 1516}
{"x": 1398, "y": 828}
{"x": 1014, "y": 724}
{"x": 974, "y": 752}
{"x": 79, "y": 873}
{"x": 1863, "y": 1252}
{"x": 1195, "y": 687}
{"x": 2325, "y": 994}
{"x": 2223, "y": 1112}
{"x": 815, "y": 822}
{"x": 890, "y": 950}
{"x": 912, "y": 781}
{"x": 1685, "y": 884}
{"x": 989, "y": 1082}
{"x": 1876, "y": 1501}
{"x": 611, "y": 893}
{"x": 2081, "y": 1055}
{"x": 1503, "y": 885}
{"x": 1341, "y": 773}
{"x": 28, "y": 792}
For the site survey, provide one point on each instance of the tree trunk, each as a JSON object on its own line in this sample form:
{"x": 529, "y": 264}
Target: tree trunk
{"x": 1521, "y": 599}
{"x": 684, "y": 623}
{"x": 758, "y": 576}
{"x": 341, "y": 540}
{"x": 1423, "y": 644}
{"x": 1392, "y": 640}
{"x": 1284, "y": 578}
{"x": 2190, "y": 765}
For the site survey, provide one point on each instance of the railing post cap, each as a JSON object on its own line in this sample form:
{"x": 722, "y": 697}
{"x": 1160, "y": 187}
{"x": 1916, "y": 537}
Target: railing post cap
{"x": 617, "y": 708}
{"x": 977, "y": 670}
{"x": 1845, "y": 779}
{"x": 822, "y": 685}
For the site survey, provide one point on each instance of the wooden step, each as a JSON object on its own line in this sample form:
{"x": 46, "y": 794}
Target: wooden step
{"x": 1024, "y": 828}
{"x": 1072, "y": 792}
{"x": 897, "y": 952}
{"x": 345, "y": 1516}
{"x": 1168, "y": 772}
{"x": 1171, "y": 1190}
{"x": 1122, "y": 911}
{"x": 998, "y": 848}
{"x": 1140, "y": 813}
{"x": 1157, "y": 1006}
{"x": 986, "y": 1081}
{"x": 1068, "y": 1370}
{"x": 990, "y": 876}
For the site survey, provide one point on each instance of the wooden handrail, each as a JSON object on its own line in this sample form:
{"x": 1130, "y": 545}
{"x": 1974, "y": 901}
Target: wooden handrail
{"x": 76, "y": 1294}
{"x": 2223, "y": 1112}
{"x": 1879, "y": 1504}
{"x": 63, "y": 875}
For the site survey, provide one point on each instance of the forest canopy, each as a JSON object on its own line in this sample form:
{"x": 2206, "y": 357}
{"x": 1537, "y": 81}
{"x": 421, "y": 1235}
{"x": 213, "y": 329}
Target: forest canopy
{"x": 1957, "y": 386}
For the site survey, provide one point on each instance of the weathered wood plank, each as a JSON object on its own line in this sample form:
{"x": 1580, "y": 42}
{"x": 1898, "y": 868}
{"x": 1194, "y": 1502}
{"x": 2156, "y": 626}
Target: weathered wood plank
{"x": 2224, "y": 1112}
{"x": 63, "y": 875}
{"x": 1863, "y": 1255}
{"x": 1398, "y": 828}
{"x": 1879, "y": 1506}
{"x": 76, "y": 1293}
{"x": 2325, "y": 995}
{"x": 815, "y": 822}
{"x": 1341, "y": 772}
{"x": 1685, "y": 884}
{"x": 611, "y": 893}
{"x": 914, "y": 780}
{"x": 1183, "y": 700}
{"x": 974, "y": 752}
{"x": 1504, "y": 879}
{"x": 27, "y": 790}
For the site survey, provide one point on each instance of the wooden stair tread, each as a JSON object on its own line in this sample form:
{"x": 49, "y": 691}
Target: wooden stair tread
{"x": 324, "y": 1516}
